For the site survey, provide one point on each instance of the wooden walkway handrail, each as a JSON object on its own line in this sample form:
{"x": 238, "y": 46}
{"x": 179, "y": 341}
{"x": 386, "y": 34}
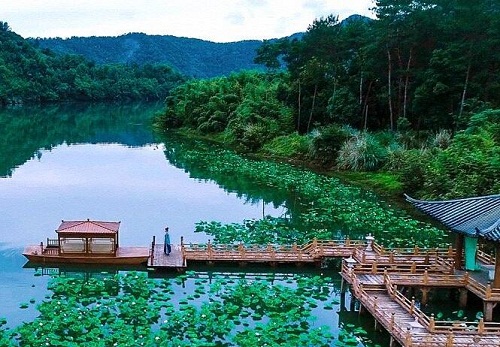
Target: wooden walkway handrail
{"x": 430, "y": 323}
{"x": 444, "y": 252}
{"x": 485, "y": 258}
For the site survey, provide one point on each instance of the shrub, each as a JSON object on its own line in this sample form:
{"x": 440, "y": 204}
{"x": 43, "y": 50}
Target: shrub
{"x": 361, "y": 153}
{"x": 327, "y": 141}
{"x": 412, "y": 166}
{"x": 441, "y": 140}
{"x": 293, "y": 145}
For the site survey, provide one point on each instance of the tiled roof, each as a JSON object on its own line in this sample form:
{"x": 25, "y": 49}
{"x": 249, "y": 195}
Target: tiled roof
{"x": 478, "y": 216}
{"x": 88, "y": 226}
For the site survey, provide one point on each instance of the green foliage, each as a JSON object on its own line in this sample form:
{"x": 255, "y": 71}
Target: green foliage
{"x": 244, "y": 106}
{"x": 264, "y": 231}
{"x": 29, "y": 75}
{"x": 361, "y": 152}
{"x": 133, "y": 310}
{"x": 327, "y": 141}
{"x": 288, "y": 146}
{"x": 343, "y": 107}
{"x": 467, "y": 166}
{"x": 382, "y": 182}
{"x": 412, "y": 167}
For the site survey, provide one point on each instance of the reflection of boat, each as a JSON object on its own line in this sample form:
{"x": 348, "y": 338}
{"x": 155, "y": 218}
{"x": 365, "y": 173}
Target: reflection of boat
{"x": 86, "y": 242}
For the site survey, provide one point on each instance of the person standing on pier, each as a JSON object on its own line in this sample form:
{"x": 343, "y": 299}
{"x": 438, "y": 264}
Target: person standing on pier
{"x": 167, "y": 248}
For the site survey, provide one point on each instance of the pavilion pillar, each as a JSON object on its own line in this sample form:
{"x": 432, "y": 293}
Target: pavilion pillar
{"x": 496, "y": 280}
{"x": 459, "y": 249}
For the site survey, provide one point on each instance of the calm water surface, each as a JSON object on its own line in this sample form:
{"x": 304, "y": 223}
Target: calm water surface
{"x": 103, "y": 162}
{"x": 100, "y": 162}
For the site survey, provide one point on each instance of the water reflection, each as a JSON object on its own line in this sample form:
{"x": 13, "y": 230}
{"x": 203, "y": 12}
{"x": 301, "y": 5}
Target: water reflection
{"x": 100, "y": 162}
{"x": 27, "y": 130}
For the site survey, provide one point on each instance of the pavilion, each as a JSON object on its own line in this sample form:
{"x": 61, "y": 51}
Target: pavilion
{"x": 88, "y": 237}
{"x": 471, "y": 218}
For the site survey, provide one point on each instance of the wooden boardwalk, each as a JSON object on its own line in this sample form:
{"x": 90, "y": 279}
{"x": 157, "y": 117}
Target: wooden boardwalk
{"x": 374, "y": 274}
{"x": 159, "y": 260}
{"x": 406, "y": 323}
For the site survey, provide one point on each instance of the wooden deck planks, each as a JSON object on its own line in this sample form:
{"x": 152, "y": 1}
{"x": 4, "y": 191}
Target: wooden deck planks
{"x": 160, "y": 260}
{"x": 403, "y": 326}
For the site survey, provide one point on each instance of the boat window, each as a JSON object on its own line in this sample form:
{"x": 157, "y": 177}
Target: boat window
{"x": 102, "y": 245}
{"x": 72, "y": 245}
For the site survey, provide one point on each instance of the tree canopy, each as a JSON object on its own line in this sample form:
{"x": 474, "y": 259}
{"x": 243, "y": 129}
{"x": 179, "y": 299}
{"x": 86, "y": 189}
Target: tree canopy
{"x": 28, "y": 74}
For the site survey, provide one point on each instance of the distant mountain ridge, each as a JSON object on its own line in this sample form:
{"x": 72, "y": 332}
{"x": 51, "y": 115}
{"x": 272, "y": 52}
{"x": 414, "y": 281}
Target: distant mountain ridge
{"x": 192, "y": 57}
{"x": 189, "y": 56}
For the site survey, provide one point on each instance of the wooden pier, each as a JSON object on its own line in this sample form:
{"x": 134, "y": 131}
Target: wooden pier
{"x": 374, "y": 279}
{"x": 159, "y": 260}
{"x": 374, "y": 275}
{"x": 313, "y": 253}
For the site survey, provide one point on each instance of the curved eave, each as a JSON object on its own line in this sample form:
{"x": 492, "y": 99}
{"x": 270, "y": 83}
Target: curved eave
{"x": 477, "y": 216}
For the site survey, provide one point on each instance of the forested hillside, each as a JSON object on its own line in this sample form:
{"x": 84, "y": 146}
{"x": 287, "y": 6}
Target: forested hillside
{"x": 192, "y": 57}
{"x": 29, "y": 74}
{"x": 414, "y": 93}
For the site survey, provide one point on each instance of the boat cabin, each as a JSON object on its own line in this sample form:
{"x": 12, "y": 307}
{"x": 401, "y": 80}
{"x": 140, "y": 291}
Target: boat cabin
{"x": 86, "y": 237}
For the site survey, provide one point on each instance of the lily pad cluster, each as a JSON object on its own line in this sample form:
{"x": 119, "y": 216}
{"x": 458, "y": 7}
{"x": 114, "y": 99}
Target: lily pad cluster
{"x": 317, "y": 205}
{"x": 189, "y": 310}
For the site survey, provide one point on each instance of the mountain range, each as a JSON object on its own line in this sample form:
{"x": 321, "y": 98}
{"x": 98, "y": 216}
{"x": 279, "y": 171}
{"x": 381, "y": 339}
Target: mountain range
{"x": 191, "y": 57}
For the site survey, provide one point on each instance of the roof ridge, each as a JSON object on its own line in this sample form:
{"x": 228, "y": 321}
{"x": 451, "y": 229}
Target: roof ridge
{"x": 410, "y": 199}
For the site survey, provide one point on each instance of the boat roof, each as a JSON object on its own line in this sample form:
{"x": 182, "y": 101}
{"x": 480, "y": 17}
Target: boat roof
{"x": 476, "y": 216}
{"x": 88, "y": 227}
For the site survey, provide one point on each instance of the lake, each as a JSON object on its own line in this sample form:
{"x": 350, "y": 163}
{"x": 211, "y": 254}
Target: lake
{"x": 104, "y": 162}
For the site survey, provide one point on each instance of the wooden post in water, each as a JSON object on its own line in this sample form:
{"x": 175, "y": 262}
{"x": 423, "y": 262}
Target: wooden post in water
{"x": 463, "y": 293}
{"x": 153, "y": 249}
{"x": 480, "y": 326}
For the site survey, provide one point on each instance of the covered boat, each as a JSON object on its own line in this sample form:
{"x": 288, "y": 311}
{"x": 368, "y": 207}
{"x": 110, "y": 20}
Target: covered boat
{"x": 86, "y": 242}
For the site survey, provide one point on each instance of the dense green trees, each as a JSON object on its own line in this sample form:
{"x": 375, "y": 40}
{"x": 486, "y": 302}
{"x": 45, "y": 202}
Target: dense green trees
{"x": 28, "y": 74}
{"x": 244, "y": 108}
{"x": 413, "y": 92}
{"x": 192, "y": 57}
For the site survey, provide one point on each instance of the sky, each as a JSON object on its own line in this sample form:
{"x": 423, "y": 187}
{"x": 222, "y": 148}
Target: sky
{"x": 212, "y": 20}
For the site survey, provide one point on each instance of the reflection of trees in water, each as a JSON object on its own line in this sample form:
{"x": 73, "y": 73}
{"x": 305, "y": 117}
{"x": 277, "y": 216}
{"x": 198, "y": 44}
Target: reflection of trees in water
{"x": 318, "y": 206}
{"x": 28, "y": 129}
{"x": 193, "y": 156}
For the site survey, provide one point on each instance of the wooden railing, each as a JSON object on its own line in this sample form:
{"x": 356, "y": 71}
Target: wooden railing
{"x": 485, "y": 292}
{"x": 430, "y": 323}
{"x": 442, "y": 252}
{"x": 485, "y": 258}
{"x": 426, "y": 279}
{"x": 52, "y": 242}
{"x": 268, "y": 253}
{"x": 402, "y": 266}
